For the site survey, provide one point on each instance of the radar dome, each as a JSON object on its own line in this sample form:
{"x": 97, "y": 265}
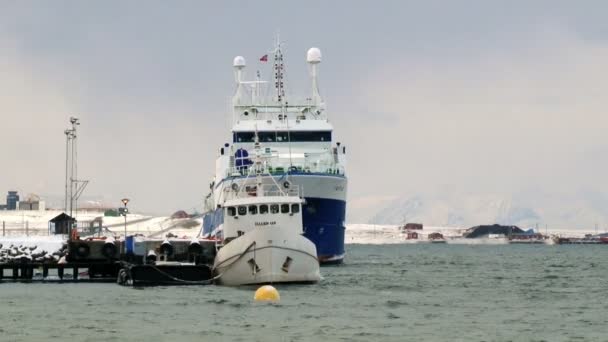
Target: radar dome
{"x": 313, "y": 55}
{"x": 239, "y": 62}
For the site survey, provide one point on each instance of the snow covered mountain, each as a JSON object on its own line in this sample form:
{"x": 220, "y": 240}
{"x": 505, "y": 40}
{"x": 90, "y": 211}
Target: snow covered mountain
{"x": 580, "y": 210}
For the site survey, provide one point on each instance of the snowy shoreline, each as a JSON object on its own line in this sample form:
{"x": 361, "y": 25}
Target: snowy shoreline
{"x": 355, "y": 234}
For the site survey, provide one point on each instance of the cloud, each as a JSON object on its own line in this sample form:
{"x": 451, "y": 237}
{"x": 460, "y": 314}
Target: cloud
{"x": 471, "y": 95}
{"x": 156, "y": 151}
{"x": 501, "y": 120}
{"x": 31, "y": 108}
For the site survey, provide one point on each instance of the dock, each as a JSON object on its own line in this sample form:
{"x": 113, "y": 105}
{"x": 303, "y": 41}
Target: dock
{"x": 54, "y": 272}
{"x": 146, "y": 262}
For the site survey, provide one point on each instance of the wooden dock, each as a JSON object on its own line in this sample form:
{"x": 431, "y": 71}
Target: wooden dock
{"x": 51, "y": 272}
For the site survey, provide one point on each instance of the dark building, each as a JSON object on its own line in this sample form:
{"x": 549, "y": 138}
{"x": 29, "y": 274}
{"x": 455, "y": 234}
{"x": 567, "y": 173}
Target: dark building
{"x": 11, "y": 200}
{"x": 61, "y": 224}
{"x": 495, "y": 229}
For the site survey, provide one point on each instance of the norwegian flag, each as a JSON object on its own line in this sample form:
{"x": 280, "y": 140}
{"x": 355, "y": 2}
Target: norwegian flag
{"x": 264, "y": 58}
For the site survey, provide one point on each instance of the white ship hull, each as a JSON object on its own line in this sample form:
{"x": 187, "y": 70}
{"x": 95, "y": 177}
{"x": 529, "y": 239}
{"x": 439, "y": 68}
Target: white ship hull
{"x": 267, "y": 255}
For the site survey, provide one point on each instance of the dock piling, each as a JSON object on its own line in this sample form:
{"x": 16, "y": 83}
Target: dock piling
{"x": 60, "y": 272}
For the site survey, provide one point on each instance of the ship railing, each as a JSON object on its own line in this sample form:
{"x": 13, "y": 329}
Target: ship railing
{"x": 324, "y": 163}
{"x": 251, "y": 190}
{"x": 264, "y": 109}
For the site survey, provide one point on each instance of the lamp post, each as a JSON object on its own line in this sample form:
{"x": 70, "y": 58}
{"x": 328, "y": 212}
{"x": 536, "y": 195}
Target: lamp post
{"x": 123, "y": 211}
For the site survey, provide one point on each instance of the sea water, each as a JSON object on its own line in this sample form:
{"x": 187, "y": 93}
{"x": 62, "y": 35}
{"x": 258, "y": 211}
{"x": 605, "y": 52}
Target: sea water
{"x": 381, "y": 293}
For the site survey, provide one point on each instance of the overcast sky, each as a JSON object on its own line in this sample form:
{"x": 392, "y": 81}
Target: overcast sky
{"x": 474, "y": 96}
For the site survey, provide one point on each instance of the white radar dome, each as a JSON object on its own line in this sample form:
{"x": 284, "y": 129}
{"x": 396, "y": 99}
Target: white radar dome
{"x": 239, "y": 62}
{"x": 313, "y": 55}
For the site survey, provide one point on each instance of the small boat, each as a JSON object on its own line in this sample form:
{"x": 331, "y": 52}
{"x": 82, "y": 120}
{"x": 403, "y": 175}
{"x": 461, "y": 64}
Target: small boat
{"x": 261, "y": 237}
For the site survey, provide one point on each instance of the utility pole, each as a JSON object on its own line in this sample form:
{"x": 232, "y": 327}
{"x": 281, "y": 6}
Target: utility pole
{"x": 73, "y": 186}
{"x": 124, "y": 211}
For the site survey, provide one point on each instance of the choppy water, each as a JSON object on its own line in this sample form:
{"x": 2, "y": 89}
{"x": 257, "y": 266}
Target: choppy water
{"x": 383, "y": 293}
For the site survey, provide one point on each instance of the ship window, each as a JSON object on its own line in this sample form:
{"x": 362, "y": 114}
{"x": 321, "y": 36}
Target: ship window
{"x": 231, "y": 211}
{"x": 244, "y": 136}
{"x": 310, "y": 136}
{"x": 253, "y": 209}
{"x": 283, "y": 136}
{"x": 267, "y": 136}
{"x": 264, "y": 209}
{"x": 295, "y": 208}
{"x": 284, "y": 208}
{"x": 274, "y": 208}
{"x": 242, "y": 210}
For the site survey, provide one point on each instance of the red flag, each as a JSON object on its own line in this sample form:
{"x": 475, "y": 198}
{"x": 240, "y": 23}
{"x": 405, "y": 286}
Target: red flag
{"x": 264, "y": 58}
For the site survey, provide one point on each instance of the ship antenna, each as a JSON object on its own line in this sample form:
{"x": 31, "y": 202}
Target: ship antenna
{"x": 257, "y": 88}
{"x": 279, "y": 72}
{"x": 258, "y": 167}
{"x": 313, "y": 57}
{"x": 238, "y": 63}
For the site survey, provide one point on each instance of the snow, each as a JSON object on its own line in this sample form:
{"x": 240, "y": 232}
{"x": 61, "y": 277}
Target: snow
{"x": 47, "y": 243}
{"x": 390, "y": 234}
{"x": 160, "y": 226}
{"x": 526, "y": 210}
{"x": 16, "y": 221}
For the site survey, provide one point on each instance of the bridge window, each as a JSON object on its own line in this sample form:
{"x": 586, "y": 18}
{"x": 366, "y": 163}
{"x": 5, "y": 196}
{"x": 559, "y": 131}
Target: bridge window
{"x": 231, "y": 211}
{"x": 310, "y": 136}
{"x": 244, "y": 137}
{"x": 242, "y": 210}
{"x": 253, "y": 209}
{"x": 283, "y": 136}
{"x": 284, "y": 208}
{"x": 295, "y": 208}
{"x": 264, "y": 209}
{"x": 267, "y": 136}
{"x": 274, "y": 208}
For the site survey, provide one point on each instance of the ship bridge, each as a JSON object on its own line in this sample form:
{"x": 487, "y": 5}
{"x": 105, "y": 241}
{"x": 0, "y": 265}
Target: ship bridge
{"x": 295, "y": 135}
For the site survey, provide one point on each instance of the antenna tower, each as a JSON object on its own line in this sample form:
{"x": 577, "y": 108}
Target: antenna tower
{"x": 73, "y": 186}
{"x": 279, "y": 70}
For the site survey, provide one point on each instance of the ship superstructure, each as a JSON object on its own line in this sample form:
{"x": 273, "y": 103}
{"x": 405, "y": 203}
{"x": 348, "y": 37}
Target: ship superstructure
{"x": 298, "y": 147}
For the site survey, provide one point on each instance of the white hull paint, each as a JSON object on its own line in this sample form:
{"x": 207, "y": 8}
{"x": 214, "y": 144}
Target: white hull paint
{"x": 269, "y": 248}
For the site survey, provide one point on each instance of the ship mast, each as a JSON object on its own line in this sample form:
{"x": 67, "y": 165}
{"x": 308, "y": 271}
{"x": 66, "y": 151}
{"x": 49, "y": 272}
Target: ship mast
{"x": 279, "y": 73}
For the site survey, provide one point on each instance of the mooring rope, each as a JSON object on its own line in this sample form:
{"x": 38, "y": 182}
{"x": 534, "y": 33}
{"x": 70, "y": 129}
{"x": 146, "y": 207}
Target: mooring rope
{"x": 192, "y": 282}
{"x": 238, "y": 257}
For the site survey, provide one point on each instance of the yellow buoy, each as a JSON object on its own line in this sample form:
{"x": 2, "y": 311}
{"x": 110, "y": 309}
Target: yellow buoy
{"x": 267, "y": 293}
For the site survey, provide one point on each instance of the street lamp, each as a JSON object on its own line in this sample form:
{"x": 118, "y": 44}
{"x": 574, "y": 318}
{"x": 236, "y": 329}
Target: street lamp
{"x": 123, "y": 212}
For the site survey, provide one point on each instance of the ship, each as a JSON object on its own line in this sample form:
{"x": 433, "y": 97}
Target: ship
{"x": 263, "y": 240}
{"x": 299, "y": 149}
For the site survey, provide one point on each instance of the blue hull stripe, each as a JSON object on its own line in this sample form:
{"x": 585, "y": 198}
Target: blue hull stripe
{"x": 324, "y": 225}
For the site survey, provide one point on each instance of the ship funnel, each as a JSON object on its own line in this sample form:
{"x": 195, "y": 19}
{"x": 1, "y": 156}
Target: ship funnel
{"x": 313, "y": 57}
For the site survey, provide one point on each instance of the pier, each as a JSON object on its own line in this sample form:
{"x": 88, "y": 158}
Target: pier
{"x": 134, "y": 262}
{"x": 69, "y": 272}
